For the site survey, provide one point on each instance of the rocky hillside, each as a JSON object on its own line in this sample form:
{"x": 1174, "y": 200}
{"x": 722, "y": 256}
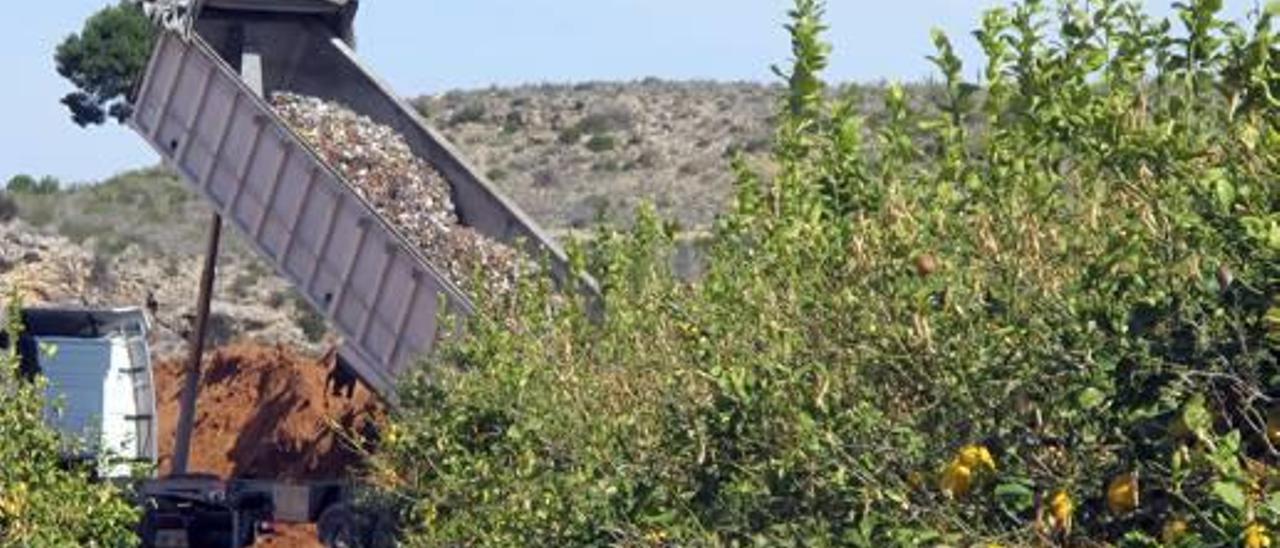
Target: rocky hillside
{"x": 570, "y": 155}
{"x": 53, "y": 270}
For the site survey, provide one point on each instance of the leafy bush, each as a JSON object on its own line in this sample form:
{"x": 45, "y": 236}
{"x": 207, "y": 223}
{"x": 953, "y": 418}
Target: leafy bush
{"x": 307, "y": 319}
{"x": 21, "y": 183}
{"x": 469, "y": 114}
{"x": 8, "y": 208}
{"x": 29, "y": 185}
{"x": 601, "y": 143}
{"x": 611, "y": 119}
{"x": 496, "y": 174}
{"x": 513, "y": 122}
{"x": 598, "y": 125}
{"x": 571, "y": 135}
{"x": 1056, "y": 325}
{"x": 42, "y": 502}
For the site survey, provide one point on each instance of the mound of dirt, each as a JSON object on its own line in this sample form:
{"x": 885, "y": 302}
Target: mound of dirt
{"x": 268, "y": 413}
{"x": 290, "y": 536}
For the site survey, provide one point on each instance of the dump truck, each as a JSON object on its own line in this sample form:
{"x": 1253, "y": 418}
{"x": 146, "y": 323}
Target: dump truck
{"x": 202, "y": 105}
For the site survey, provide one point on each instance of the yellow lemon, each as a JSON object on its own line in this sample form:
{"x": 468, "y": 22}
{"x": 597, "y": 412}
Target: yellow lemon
{"x": 1122, "y": 494}
{"x": 1256, "y": 536}
{"x": 916, "y": 480}
{"x": 14, "y": 503}
{"x": 1173, "y": 531}
{"x": 1062, "y": 509}
{"x": 957, "y": 479}
{"x": 1273, "y": 428}
{"x": 976, "y": 457}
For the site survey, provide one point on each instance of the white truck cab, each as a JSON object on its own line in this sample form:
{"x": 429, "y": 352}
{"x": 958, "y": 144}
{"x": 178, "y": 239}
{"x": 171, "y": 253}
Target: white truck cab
{"x": 100, "y": 393}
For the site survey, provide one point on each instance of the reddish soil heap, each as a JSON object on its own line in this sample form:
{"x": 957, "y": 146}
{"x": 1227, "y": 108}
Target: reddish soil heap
{"x": 291, "y": 536}
{"x": 266, "y": 413}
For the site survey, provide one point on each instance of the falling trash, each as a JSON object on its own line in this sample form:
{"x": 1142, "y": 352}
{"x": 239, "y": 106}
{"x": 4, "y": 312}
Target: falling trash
{"x": 406, "y": 190}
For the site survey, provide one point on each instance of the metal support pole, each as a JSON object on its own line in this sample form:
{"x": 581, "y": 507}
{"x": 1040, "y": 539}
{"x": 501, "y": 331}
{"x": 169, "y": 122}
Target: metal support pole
{"x": 191, "y": 389}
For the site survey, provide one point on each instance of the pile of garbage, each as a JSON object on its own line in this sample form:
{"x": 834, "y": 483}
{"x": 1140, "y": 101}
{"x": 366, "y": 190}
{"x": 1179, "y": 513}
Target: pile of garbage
{"x": 406, "y": 190}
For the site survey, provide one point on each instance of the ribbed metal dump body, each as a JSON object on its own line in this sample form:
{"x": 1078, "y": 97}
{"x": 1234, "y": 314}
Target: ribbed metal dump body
{"x": 301, "y": 55}
{"x": 297, "y": 6}
{"x": 375, "y": 288}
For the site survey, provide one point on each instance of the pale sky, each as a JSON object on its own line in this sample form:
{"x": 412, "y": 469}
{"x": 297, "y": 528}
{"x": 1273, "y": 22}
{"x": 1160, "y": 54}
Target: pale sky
{"x": 431, "y": 46}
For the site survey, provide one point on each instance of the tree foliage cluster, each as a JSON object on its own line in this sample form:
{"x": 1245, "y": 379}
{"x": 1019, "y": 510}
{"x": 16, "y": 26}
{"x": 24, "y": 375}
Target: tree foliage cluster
{"x": 103, "y": 61}
{"x": 1044, "y": 312}
{"x": 26, "y": 184}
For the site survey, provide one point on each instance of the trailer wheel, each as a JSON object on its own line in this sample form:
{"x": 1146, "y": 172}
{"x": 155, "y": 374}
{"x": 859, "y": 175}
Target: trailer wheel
{"x": 339, "y": 527}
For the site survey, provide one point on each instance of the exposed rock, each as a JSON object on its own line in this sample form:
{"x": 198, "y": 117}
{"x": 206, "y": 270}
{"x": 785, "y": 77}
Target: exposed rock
{"x": 67, "y": 274}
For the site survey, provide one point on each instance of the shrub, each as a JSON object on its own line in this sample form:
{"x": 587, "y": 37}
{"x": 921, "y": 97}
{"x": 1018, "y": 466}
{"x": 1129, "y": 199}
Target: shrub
{"x": 606, "y": 166}
{"x": 423, "y": 106}
{"x": 513, "y": 122}
{"x": 38, "y": 212}
{"x": 604, "y": 121}
{"x": 21, "y": 183}
{"x": 598, "y": 125}
{"x": 546, "y": 178}
{"x": 101, "y": 274}
{"x": 470, "y": 114}
{"x": 43, "y": 502}
{"x": 571, "y": 135}
{"x": 48, "y": 185}
{"x": 601, "y": 143}
{"x": 79, "y": 230}
{"x": 310, "y": 321}
{"x": 244, "y": 282}
{"x": 1059, "y": 326}
{"x": 27, "y": 184}
{"x": 8, "y": 208}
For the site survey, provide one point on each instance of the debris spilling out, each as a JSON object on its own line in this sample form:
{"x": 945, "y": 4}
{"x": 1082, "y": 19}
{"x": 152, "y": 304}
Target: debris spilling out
{"x": 407, "y": 191}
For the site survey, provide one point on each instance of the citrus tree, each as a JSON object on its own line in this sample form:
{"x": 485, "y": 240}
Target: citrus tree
{"x": 1041, "y": 309}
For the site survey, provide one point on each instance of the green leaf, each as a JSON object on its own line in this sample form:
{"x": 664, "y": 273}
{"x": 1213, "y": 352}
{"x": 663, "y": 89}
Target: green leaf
{"x": 1196, "y": 416}
{"x": 1015, "y": 496}
{"x": 1225, "y": 193}
{"x": 1272, "y": 505}
{"x": 1091, "y": 398}
{"x": 1230, "y": 494}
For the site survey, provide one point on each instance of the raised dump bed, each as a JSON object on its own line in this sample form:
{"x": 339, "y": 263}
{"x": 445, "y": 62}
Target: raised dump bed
{"x": 200, "y": 106}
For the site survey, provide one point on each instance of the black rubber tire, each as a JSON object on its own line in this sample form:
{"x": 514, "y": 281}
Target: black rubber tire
{"x": 382, "y": 533}
{"x": 147, "y": 528}
{"x": 339, "y": 527}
